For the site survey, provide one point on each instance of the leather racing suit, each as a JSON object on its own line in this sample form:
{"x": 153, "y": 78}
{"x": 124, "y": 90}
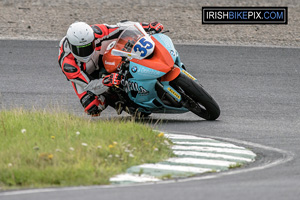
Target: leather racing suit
{"x": 86, "y": 78}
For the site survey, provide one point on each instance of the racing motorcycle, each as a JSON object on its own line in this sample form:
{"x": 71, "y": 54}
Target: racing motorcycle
{"x": 154, "y": 78}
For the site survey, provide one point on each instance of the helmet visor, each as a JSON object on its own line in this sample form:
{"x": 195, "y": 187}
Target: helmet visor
{"x": 84, "y": 50}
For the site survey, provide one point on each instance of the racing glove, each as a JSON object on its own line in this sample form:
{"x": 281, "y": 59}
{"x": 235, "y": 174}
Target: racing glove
{"x": 156, "y": 26}
{"x": 93, "y": 105}
{"x": 112, "y": 79}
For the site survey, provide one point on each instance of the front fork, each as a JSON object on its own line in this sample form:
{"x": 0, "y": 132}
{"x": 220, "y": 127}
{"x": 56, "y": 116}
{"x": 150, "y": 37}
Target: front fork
{"x": 171, "y": 94}
{"x": 168, "y": 98}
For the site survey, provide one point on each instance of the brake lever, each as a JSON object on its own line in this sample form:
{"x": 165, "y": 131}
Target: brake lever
{"x": 166, "y": 31}
{"x": 154, "y": 32}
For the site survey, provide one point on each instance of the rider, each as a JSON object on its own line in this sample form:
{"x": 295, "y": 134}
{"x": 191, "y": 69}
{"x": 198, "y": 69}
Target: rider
{"x": 80, "y": 58}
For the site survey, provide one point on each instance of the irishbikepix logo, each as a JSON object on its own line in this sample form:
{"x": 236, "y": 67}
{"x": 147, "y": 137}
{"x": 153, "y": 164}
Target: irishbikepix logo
{"x": 244, "y": 15}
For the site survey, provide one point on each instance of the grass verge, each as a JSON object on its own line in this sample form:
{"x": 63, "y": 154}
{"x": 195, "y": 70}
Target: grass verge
{"x": 42, "y": 149}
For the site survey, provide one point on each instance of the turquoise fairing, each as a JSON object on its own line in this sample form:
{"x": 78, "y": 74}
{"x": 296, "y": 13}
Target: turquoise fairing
{"x": 168, "y": 44}
{"x": 140, "y": 72}
{"x": 140, "y": 88}
{"x": 144, "y": 89}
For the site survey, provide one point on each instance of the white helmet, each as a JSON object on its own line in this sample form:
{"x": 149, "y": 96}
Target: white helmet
{"x": 81, "y": 40}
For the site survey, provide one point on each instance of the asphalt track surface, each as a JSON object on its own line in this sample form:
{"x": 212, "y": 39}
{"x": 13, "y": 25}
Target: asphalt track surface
{"x": 257, "y": 89}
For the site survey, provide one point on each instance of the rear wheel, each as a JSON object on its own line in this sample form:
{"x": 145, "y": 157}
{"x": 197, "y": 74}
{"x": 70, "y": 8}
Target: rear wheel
{"x": 195, "y": 98}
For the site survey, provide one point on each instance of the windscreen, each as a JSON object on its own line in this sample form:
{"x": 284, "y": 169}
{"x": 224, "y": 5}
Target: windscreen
{"x": 128, "y": 38}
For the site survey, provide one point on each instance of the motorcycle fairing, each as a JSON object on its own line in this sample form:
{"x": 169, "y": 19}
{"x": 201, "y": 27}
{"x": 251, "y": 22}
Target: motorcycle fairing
{"x": 167, "y": 43}
{"x": 160, "y": 60}
{"x": 143, "y": 71}
{"x": 140, "y": 72}
{"x": 146, "y": 72}
{"x": 140, "y": 91}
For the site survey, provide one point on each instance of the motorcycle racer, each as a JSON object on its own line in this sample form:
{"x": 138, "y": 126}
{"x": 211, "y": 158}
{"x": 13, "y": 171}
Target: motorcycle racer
{"x": 80, "y": 58}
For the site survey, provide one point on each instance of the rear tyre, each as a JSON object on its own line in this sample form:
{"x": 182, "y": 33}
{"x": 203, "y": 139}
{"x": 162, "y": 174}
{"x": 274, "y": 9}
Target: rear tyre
{"x": 195, "y": 98}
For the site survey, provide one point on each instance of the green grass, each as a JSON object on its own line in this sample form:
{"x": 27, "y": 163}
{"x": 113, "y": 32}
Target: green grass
{"x": 42, "y": 149}
{"x": 237, "y": 165}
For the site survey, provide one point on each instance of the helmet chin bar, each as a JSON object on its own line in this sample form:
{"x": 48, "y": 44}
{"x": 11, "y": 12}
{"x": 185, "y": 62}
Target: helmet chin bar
{"x": 84, "y": 59}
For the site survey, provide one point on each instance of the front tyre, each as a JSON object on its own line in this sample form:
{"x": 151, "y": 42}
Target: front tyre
{"x": 195, "y": 98}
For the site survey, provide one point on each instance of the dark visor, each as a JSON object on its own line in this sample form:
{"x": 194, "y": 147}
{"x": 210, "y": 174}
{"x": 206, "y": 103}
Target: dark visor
{"x": 84, "y": 50}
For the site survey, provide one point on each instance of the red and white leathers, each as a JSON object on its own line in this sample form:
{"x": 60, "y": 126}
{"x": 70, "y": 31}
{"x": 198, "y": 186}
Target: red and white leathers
{"x": 86, "y": 78}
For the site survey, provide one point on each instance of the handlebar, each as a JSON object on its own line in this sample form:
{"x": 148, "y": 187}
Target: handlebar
{"x": 154, "y": 32}
{"x": 166, "y": 31}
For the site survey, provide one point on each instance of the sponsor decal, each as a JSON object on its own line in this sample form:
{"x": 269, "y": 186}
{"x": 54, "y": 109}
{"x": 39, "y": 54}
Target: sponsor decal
{"x": 134, "y": 69}
{"x": 188, "y": 75}
{"x": 133, "y": 86}
{"x": 172, "y": 53}
{"x": 174, "y": 93}
{"x": 109, "y": 63}
{"x": 145, "y": 70}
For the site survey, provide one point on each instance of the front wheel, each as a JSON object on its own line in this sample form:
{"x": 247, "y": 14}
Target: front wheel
{"x": 195, "y": 98}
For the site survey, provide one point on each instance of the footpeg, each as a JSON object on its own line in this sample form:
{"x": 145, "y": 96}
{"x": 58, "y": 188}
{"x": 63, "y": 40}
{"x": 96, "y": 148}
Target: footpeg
{"x": 119, "y": 106}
